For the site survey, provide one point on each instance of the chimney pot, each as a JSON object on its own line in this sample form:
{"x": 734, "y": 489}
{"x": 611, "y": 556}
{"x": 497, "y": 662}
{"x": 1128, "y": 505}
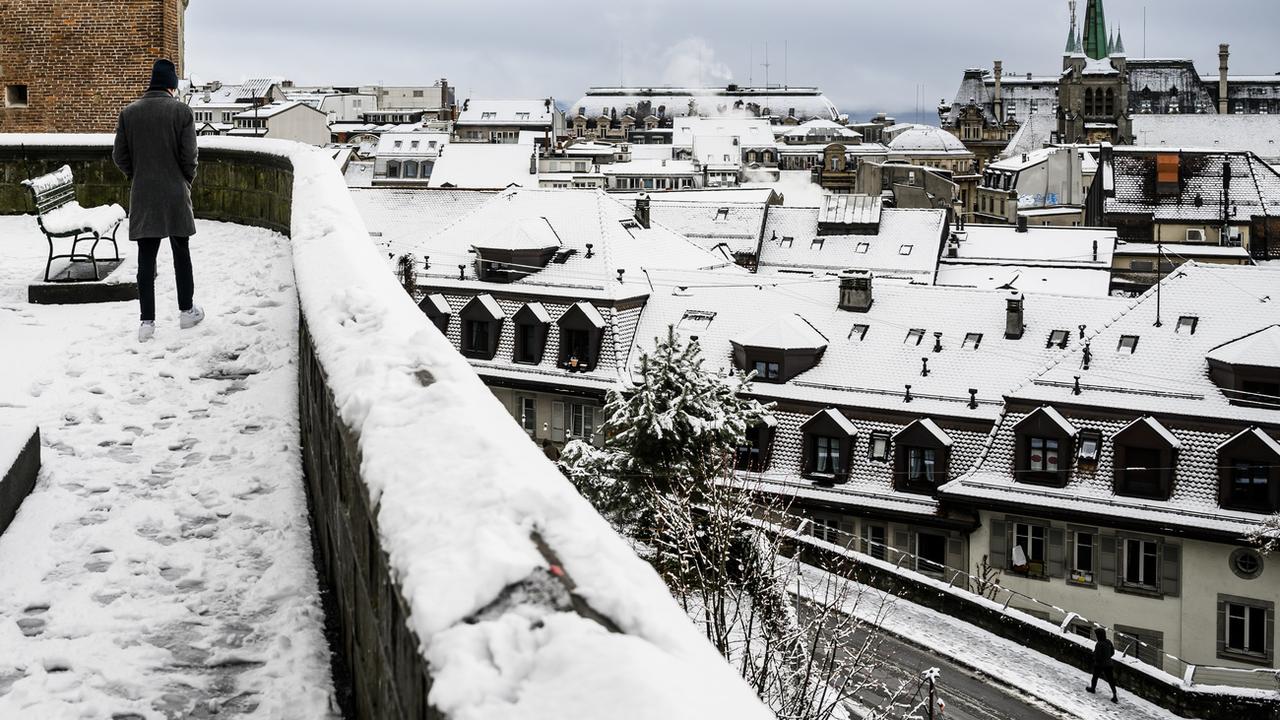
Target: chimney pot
{"x": 642, "y": 210}
{"x": 1022, "y": 223}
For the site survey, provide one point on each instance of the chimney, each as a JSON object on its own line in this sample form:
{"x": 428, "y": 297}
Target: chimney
{"x": 999, "y": 100}
{"x": 1013, "y": 324}
{"x": 1224, "y": 56}
{"x": 1022, "y": 223}
{"x": 855, "y": 290}
{"x": 953, "y": 247}
{"x": 642, "y": 210}
{"x": 444, "y": 99}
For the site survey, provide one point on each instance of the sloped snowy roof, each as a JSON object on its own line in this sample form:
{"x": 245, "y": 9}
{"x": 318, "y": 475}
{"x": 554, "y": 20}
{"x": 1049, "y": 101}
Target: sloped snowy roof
{"x": 750, "y": 132}
{"x": 906, "y": 246}
{"x": 531, "y": 112}
{"x": 1255, "y": 186}
{"x": 835, "y": 417}
{"x": 790, "y": 332}
{"x": 484, "y": 166}
{"x": 1154, "y": 426}
{"x": 1259, "y": 134}
{"x": 932, "y": 428}
{"x": 1266, "y": 440}
{"x": 273, "y": 109}
{"x": 1259, "y": 349}
{"x": 807, "y": 102}
{"x": 737, "y": 224}
{"x": 1056, "y": 418}
{"x": 527, "y": 233}
{"x": 588, "y": 311}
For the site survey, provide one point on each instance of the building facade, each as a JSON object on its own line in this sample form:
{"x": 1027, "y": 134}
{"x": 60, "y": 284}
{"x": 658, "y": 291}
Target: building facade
{"x": 71, "y": 66}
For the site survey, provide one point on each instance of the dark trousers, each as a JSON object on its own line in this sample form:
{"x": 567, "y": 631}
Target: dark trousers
{"x": 1106, "y": 673}
{"x": 148, "y": 248}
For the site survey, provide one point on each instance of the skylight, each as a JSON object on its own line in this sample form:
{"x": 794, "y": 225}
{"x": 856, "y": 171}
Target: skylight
{"x": 787, "y": 241}
{"x": 972, "y": 341}
{"x": 906, "y": 249}
{"x": 1128, "y": 343}
{"x": 1187, "y": 324}
{"x": 914, "y": 336}
{"x": 722, "y": 214}
{"x": 696, "y": 320}
{"x": 816, "y": 243}
{"x": 1059, "y": 338}
{"x": 859, "y": 332}
{"x": 862, "y": 248}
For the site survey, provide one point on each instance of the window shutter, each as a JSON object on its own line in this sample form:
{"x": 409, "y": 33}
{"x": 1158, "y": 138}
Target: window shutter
{"x": 955, "y": 555}
{"x": 1222, "y": 626}
{"x": 1106, "y": 560}
{"x": 1056, "y": 552}
{"x": 1170, "y": 569}
{"x": 1069, "y": 553}
{"x": 998, "y": 549}
{"x": 558, "y": 410}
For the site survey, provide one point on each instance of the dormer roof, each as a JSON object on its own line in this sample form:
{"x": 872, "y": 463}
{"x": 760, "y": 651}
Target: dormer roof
{"x": 791, "y": 332}
{"x": 1258, "y": 349}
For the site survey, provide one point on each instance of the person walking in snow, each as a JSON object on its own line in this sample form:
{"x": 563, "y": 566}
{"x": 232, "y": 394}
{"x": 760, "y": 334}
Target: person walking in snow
{"x": 1103, "y": 664}
{"x": 156, "y": 149}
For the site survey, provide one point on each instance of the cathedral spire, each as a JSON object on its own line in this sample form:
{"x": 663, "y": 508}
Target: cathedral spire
{"x": 1119, "y": 46}
{"x": 1095, "y": 31}
{"x": 1073, "y": 35}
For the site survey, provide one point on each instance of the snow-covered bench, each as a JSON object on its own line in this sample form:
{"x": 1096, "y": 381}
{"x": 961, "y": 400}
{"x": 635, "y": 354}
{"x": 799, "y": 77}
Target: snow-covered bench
{"x": 60, "y": 216}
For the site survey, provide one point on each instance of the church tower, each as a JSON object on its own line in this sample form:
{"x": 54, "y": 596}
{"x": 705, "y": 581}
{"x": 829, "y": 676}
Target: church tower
{"x": 1093, "y": 91}
{"x": 1096, "y": 45}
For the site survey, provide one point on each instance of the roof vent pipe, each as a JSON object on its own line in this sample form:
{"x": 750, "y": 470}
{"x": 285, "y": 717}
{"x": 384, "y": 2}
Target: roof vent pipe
{"x": 937, "y": 342}
{"x": 1022, "y": 223}
{"x": 924, "y": 369}
{"x": 589, "y": 246}
{"x": 973, "y": 398}
{"x": 908, "y": 395}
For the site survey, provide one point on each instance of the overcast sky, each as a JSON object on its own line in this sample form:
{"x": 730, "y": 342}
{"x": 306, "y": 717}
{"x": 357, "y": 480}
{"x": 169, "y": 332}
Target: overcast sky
{"x": 866, "y": 56}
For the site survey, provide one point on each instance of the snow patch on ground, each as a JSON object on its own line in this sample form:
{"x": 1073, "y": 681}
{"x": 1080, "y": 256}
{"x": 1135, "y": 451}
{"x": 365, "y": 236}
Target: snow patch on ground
{"x": 162, "y": 567}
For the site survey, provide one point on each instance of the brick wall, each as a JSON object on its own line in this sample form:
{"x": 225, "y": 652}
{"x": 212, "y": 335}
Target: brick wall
{"x": 82, "y": 60}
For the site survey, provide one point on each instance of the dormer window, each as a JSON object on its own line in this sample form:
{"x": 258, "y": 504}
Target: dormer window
{"x": 1059, "y": 338}
{"x": 781, "y": 350}
{"x": 828, "y": 441}
{"x": 914, "y": 336}
{"x": 1044, "y": 447}
{"x": 1145, "y": 456}
{"x": 481, "y": 327}
{"x": 531, "y": 323}
{"x": 921, "y": 457}
{"x": 437, "y": 310}
{"x": 971, "y": 341}
{"x": 1248, "y": 368}
{"x": 1128, "y": 343}
{"x": 1249, "y": 472}
{"x": 581, "y": 332}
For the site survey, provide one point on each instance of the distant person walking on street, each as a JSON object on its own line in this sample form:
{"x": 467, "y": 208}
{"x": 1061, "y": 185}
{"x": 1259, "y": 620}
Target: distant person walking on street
{"x": 156, "y": 149}
{"x": 1103, "y": 665}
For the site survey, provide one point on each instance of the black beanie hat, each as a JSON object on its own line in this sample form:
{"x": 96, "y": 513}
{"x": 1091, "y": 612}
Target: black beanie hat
{"x": 164, "y": 76}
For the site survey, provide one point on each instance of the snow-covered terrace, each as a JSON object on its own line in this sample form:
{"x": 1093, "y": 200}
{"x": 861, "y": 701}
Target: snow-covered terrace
{"x": 162, "y": 567}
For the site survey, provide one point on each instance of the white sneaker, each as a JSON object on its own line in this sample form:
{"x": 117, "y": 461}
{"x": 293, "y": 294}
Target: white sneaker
{"x": 191, "y": 318}
{"x": 146, "y": 331}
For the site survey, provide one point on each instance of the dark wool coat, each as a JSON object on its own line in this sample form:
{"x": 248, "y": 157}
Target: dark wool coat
{"x": 156, "y": 149}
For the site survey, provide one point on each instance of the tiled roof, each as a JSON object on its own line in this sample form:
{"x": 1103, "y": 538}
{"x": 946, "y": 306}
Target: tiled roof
{"x": 523, "y": 111}
{"x": 403, "y": 218}
{"x": 1259, "y": 134}
{"x": 1167, "y": 371}
{"x": 739, "y": 227}
{"x": 1255, "y": 187}
{"x": 907, "y": 247}
{"x": 484, "y": 166}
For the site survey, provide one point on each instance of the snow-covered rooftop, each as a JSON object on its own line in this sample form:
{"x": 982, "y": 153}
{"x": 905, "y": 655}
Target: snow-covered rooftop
{"x": 906, "y": 246}
{"x": 526, "y": 112}
{"x": 483, "y": 166}
{"x": 1259, "y": 134}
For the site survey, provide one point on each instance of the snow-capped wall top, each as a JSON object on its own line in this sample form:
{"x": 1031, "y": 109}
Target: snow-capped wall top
{"x": 459, "y": 490}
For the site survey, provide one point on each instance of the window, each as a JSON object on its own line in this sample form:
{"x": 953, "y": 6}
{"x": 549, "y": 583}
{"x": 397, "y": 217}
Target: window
{"x": 816, "y": 243}
{"x": 972, "y": 341}
{"x": 1140, "y": 563}
{"x": 1141, "y": 471}
{"x": 1042, "y": 455}
{"x": 931, "y": 553}
{"x": 1250, "y": 485}
{"x": 529, "y": 415}
{"x": 914, "y": 336}
{"x": 696, "y": 320}
{"x": 1031, "y": 540}
{"x": 1128, "y": 343}
{"x": 413, "y": 145}
{"x": 723, "y": 213}
{"x": 1246, "y": 563}
{"x": 1187, "y": 324}
{"x": 527, "y": 343}
{"x": 873, "y": 541}
{"x": 826, "y": 530}
{"x": 488, "y": 115}
{"x": 1244, "y": 629}
{"x": 1059, "y": 338}
{"x": 1090, "y": 446}
{"x": 15, "y": 96}
{"x": 582, "y": 421}
{"x": 905, "y": 249}
{"x": 786, "y": 241}
{"x": 577, "y": 345}
{"x": 922, "y": 466}
{"x": 767, "y": 370}
{"x": 476, "y": 337}
{"x": 1082, "y": 554}
{"x": 522, "y": 116}
{"x": 862, "y": 248}
{"x": 858, "y": 332}
{"x": 880, "y": 446}
{"x": 399, "y": 144}
{"x": 393, "y": 169}
{"x": 750, "y": 454}
{"x": 826, "y": 455}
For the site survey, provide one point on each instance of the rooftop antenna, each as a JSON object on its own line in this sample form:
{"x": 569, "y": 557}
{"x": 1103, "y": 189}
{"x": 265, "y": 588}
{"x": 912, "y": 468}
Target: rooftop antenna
{"x": 1144, "y": 31}
{"x": 751, "y": 64}
{"x": 786, "y": 65}
{"x": 766, "y": 66}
